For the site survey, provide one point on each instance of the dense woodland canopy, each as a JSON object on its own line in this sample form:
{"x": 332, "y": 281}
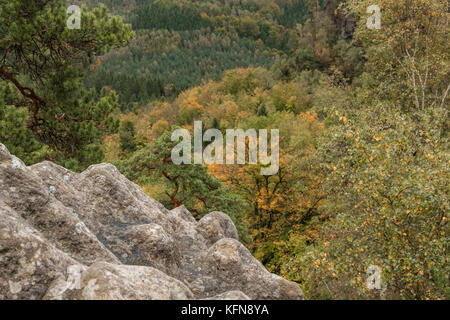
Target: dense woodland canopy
{"x": 362, "y": 114}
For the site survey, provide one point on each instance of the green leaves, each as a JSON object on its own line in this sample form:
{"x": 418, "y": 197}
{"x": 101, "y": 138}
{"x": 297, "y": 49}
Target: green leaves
{"x": 385, "y": 156}
{"x": 46, "y": 62}
{"x": 190, "y": 185}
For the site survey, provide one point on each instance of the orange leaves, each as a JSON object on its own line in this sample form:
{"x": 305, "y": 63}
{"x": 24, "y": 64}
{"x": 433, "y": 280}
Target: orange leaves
{"x": 311, "y": 119}
{"x": 190, "y": 110}
{"x": 196, "y": 106}
{"x": 377, "y": 138}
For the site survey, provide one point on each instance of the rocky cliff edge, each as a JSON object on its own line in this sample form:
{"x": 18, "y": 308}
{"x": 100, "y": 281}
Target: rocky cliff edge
{"x": 96, "y": 235}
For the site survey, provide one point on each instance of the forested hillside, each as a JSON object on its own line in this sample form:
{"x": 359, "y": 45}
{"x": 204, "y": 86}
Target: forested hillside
{"x": 362, "y": 115}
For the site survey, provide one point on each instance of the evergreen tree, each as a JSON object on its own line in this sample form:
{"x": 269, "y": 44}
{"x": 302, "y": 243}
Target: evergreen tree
{"x": 215, "y": 123}
{"x": 186, "y": 184}
{"x": 46, "y": 61}
{"x": 262, "y": 112}
{"x": 127, "y": 137}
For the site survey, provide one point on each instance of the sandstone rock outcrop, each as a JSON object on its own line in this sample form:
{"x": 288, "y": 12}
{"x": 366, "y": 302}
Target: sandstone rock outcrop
{"x": 96, "y": 235}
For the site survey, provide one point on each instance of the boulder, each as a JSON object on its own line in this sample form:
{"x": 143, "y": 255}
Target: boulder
{"x": 105, "y": 281}
{"x": 230, "y": 266}
{"x": 29, "y": 263}
{"x": 215, "y": 226}
{"x": 97, "y": 235}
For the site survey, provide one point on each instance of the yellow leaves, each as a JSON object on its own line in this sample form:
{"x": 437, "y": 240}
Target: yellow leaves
{"x": 111, "y": 146}
{"x": 377, "y": 138}
{"x": 159, "y": 127}
{"x": 343, "y": 119}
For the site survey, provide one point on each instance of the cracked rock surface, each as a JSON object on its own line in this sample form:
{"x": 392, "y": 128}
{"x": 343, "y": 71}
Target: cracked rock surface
{"x": 96, "y": 235}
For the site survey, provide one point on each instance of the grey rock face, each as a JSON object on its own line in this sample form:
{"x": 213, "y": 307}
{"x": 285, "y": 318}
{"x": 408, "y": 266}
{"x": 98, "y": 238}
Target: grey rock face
{"x": 96, "y": 235}
{"x": 230, "y": 295}
{"x": 29, "y": 263}
{"x": 216, "y": 226}
{"x": 105, "y": 281}
{"x": 228, "y": 259}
